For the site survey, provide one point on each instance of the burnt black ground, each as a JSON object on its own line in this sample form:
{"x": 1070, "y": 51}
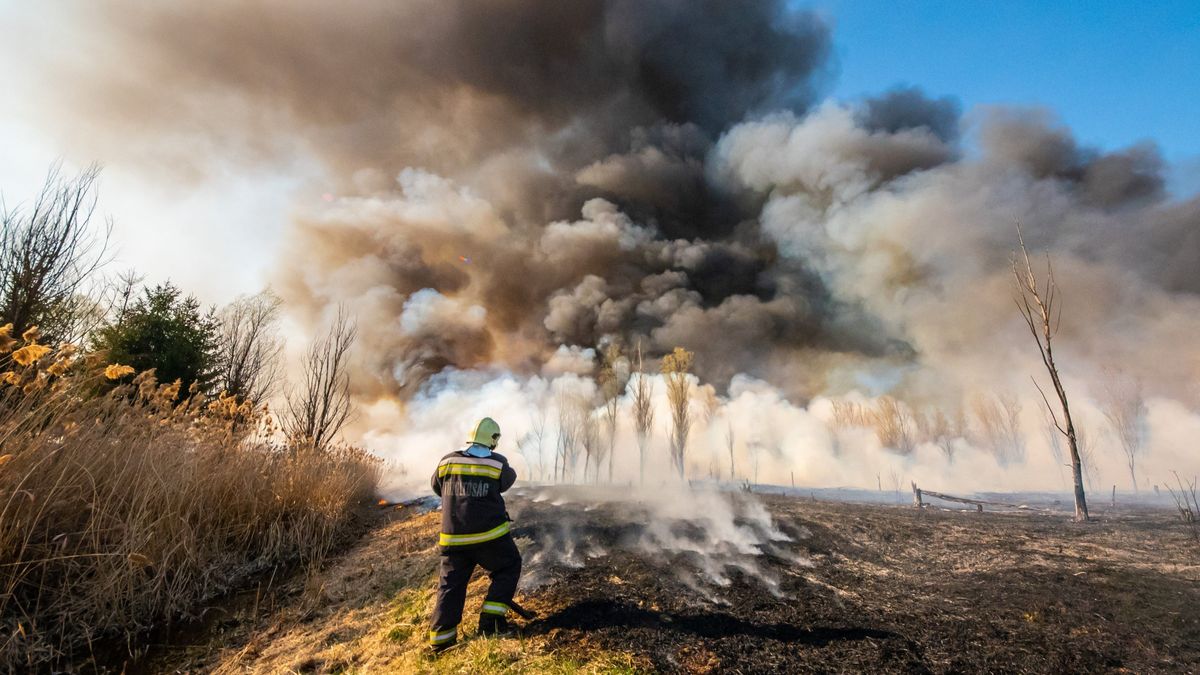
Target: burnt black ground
{"x": 871, "y": 589}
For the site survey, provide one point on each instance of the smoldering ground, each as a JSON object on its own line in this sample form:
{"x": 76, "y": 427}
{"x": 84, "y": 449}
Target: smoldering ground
{"x": 703, "y": 535}
{"x": 871, "y": 589}
{"x": 513, "y": 184}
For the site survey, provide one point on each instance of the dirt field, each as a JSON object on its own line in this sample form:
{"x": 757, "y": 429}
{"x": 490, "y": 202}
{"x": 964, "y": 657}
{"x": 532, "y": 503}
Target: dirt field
{"x": 814, "y": 587}
{"x": 871, "y": 588}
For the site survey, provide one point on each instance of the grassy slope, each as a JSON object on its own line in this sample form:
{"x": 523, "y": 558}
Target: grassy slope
{"x": 369, "y": 612}
{"x": 863, "y": 589}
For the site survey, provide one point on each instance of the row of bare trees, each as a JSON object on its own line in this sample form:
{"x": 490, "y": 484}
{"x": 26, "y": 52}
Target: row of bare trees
{"x": 589, "y": 430}
{"x": 994, "y": 424}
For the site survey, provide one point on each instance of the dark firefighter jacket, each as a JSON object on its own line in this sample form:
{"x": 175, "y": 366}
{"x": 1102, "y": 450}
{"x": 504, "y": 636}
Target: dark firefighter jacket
{"x": 473, "y": 511}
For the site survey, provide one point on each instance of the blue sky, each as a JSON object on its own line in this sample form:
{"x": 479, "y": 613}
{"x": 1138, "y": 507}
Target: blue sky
{"x": 1115, "y": 72}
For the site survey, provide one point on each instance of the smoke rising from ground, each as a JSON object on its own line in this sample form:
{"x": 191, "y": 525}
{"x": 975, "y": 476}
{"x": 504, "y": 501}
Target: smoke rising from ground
{"x": 702, "y": 534}
{"x": 514, "y": 184}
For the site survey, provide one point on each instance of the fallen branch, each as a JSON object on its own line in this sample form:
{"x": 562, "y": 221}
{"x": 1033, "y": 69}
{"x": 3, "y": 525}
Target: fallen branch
{"x": 918, "y": 500}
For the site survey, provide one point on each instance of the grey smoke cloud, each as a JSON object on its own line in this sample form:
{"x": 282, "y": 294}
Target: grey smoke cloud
{"x": 909, "y": 108}
{"x": 515, "y": 179}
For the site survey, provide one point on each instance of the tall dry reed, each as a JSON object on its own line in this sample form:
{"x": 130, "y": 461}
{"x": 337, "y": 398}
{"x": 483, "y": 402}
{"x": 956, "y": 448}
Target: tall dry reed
{"x": 121, "y": 508}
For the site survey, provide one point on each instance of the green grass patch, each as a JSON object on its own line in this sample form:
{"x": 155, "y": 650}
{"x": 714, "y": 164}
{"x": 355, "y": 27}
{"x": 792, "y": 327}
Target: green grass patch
{"x": 488, "y": 656}
{"x": 410, "y": 614}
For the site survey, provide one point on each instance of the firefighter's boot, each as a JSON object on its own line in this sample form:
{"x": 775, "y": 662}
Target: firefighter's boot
{"x": 441, "y": 639}
{"x": 492, "y": 625}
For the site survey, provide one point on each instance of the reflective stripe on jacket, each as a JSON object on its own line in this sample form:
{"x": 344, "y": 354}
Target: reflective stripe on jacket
{"x": 473, "y": 510}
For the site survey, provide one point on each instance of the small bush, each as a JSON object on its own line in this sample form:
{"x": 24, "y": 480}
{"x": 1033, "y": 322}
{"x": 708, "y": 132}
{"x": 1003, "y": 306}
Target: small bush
{"x": 120, "y": 508}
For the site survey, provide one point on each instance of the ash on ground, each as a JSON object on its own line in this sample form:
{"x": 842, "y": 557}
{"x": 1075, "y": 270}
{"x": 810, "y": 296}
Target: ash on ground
{"x": 729, "y": 582}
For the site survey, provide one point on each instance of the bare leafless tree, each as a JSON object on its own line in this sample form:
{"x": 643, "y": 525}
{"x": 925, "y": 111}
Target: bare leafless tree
{"x": 320, "y": 407}
{"x": 589, "y": 440}
{"x": 612, "y": 383}
{"x": 893, "y": 425}
{"x": 1187, "y": 502}
{"x": 531, "y": 444}
{"x": 998, "y": 425}
{"x": 570, "y": 421}
{"x": 49, "y": 251}
{"x": 643, "y": 411}
{"x": 1124, "y": 407}
{"x": 250, "y": 347}
{"x": 935, "y": 427}
{"x": 851, "y": 415}
{"x": 82, "y": 315}
{"x": 107, "y": 303}
{"x": 1037, "y": 302}
{"x": 675, "y": 369}
{"x": 123, "y": 291}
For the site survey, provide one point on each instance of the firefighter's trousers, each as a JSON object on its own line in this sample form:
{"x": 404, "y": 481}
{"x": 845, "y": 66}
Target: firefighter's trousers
{"x": 502, "y": 561}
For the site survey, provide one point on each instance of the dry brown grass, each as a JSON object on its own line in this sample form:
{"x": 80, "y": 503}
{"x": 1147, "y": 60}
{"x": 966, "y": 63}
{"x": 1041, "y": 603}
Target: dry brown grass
{"x": 120, "y": 508}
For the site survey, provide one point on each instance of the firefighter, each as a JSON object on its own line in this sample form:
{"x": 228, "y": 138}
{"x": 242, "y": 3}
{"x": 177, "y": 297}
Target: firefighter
{"x": 475, "y": 531}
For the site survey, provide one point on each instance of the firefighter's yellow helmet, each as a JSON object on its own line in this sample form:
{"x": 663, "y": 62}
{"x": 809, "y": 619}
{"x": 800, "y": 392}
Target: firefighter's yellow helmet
{"x": 485, "y": 432}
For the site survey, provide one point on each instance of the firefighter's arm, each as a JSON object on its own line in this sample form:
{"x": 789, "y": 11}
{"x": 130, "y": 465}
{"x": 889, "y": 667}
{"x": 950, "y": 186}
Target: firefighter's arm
{"x": 508, "y": 476}
{"x": 435, "y": 482}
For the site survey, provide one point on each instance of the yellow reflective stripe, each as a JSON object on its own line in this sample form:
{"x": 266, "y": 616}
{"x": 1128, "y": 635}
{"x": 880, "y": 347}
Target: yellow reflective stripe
{"x": 463, "y": 466}
{"x": 479, "y": 538}
{"x": 495, "y": 608}
{"x": 437, "y": 638}
{"x": 483, "y": 471}
{"x": 484, "y": 461}
{"x": 468, "y": 470}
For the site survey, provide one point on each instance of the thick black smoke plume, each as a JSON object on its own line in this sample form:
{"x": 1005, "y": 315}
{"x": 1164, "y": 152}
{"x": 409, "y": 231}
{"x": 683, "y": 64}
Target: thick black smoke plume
{"x": 514, "y": 176}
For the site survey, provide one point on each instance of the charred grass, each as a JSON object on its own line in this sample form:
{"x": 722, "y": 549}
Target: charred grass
{"x": 856, "y": 589}
{"x": 885, "y": 589}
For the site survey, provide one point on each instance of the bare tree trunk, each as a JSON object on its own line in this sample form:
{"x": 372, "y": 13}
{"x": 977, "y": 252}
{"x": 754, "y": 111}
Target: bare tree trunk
{"x": 675, "y": 368}
{"x": 612, "y": 383}
{"x": 572, "y": 410}
{"x": 539, "y": 436}
{"x": 1125, "y": 408}
{"x": 1037, "y": 308}
{"x": 643, "y": 412}
{"x": 589, "y": 437}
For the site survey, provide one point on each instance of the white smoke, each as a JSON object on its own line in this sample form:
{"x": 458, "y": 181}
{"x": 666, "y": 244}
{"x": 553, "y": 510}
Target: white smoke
{"x": 701, "y": 534}
{"x": 775, "y": 442}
